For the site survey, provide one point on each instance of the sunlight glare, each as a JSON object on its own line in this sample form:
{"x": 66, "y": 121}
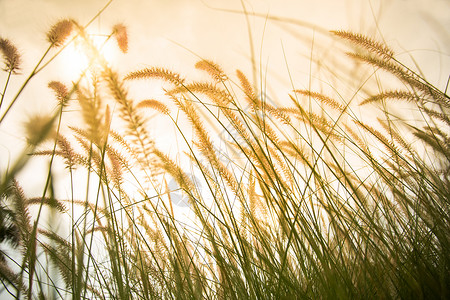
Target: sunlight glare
{"x": 76, "y": 58}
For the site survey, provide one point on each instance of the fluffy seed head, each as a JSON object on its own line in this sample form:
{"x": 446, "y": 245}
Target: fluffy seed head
{"x": 212, "y": 68}
{"x": 154, "y": 104}
{"x": 60, "y": 90}
{"x": 156, "y": 72}
{"x": 59, "y": 32}
{"x": 366, "y": 42}
{"x": 11, "y": 56}
{"x": 120, "y": 32}
{"x": 38, "y": 128}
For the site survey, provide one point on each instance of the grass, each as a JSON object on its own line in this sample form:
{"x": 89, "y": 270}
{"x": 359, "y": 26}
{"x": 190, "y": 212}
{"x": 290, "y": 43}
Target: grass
{"x": 301, "y": 200}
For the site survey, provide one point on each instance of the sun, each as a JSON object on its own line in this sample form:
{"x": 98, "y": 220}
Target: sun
{"x": 77, "y": 58}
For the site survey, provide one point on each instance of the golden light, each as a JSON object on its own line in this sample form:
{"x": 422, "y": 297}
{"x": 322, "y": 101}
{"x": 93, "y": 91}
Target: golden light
{"x": 78, "y": 58}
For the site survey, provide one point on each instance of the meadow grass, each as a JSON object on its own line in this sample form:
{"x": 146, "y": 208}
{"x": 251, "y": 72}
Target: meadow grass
{"x": 302, "y": 199}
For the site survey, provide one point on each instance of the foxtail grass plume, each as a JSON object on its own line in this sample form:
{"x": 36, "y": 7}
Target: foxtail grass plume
{"x": 154, "y": 104}
{"x": 120, "y": 33}
{"x": 60, "y": 90}
{"x": 11, "y": 56}
{"x": 397, "y": 95}
{"x": 38, "y": 128}
{"x": 212, "y": 68}
{"x": 60, "y": 31}
{"x": 322, "y": 98}
{"x": 365, "y": 42}
{"x": 156, "y": 72}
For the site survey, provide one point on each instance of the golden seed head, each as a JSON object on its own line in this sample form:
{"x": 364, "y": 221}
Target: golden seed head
{"x": 212, "y": 68}
{"x": 120, "y": 32}
{"x": 154, "y": 104}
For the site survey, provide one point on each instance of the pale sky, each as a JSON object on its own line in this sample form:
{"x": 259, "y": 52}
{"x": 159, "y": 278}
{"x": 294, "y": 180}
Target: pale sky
{"x": 157, "y": 28}
{"x": 153, "y": 25}
{"x": 220, "y": 35}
